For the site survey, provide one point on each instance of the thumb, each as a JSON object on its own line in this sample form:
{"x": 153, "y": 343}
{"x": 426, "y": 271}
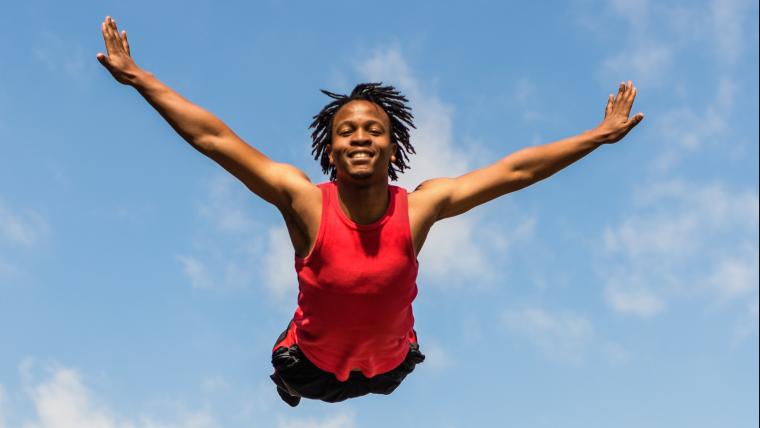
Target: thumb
{"x": 638, "y": 117}
{"x": 103, "y": 60}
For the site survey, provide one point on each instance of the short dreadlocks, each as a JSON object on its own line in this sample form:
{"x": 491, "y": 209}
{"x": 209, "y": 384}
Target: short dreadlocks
{"x": 387, "y": 98}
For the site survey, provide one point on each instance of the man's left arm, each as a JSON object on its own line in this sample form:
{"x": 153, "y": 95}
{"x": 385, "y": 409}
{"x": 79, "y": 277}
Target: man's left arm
{"x": 533, "y": 164}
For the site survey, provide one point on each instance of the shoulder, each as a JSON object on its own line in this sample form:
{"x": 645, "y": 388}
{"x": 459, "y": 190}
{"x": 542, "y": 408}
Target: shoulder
{"x": 431, "y": 196}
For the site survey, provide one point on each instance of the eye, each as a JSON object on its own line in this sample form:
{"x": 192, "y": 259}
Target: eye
{"x": 376, "y": 131}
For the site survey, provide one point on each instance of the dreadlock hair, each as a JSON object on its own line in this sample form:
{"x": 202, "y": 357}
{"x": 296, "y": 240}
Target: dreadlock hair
{"x": 387, "y": 98}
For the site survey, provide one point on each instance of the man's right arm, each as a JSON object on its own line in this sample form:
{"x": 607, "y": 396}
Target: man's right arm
{"x": 272, "y": 181}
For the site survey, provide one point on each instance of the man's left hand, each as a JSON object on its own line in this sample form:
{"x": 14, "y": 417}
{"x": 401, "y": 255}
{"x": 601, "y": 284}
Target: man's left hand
{"x": 616, "y": 123}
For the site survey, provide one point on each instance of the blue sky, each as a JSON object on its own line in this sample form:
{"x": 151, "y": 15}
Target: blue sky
{"x": 141, "y": 286}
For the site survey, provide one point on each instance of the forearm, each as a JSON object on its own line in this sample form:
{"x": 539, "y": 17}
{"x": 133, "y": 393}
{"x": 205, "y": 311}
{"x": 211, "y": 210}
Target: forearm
{"x": 540, "y": 162}
{"x": 196, "y": 125}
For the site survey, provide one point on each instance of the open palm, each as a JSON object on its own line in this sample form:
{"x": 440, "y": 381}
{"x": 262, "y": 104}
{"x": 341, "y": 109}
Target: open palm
{"x": 119, "y": 60}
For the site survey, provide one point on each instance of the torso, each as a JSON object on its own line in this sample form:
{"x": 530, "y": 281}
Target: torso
{"x": 303, "y": 218}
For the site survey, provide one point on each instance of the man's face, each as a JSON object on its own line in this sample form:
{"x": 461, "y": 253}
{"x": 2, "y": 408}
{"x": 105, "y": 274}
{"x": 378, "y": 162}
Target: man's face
{"x": 361, "y": 142}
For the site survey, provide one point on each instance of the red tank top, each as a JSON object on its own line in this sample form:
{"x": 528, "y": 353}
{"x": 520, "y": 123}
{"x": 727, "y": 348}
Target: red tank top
{"x": 356, "y": 288}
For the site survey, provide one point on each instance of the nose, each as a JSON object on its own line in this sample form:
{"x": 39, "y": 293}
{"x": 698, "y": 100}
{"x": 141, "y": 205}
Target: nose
{"x": 360, "y": 138}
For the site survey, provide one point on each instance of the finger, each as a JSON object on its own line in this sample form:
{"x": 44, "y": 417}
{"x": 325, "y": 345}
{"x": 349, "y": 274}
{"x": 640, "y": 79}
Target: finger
{"x": 115, "y": 32}
{"x": 107, "y": 37}
{"x": 619, "y": 95}
{"x": 608, "y": 108}
{"x": 628, "y": 89}
{"x": 629, "y": 101}
{"x": 113, "y": 35}
{"x": 112, "y": 24}
{"x": 103, "y": 60}
{"x": 635, "y": 120}
{"x": 109, "y": 30}
{"x": 125, "y": 42}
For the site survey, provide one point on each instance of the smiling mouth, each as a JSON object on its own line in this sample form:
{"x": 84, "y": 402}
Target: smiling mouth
{"x": 360, "y": 155}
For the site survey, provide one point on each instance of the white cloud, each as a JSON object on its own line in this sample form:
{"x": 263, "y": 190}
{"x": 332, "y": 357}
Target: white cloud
{"x": 657, "y": 33}
{"x": 227, "y": 247}
{"x": 645, "y": 57}
{"x": 224, "y": 205}
{"x": 433, "y": 140}
{"x": 636, "y": 300}
{"x": 734, "y": 277}
{"x": 437, "y": 358}
{"x": 615, "y": 353}
{"x": 7, "y": 270}
{"x": 215, "y": 384}
{"x": 727, "y": 19}
{"x": 748, "y": 323}
{"x": 647, "y": 64}
{"x": 451, "y": 248}
{"x": 2, "y": 406}
{"x": 21, "y": 227}
{"x": 196, "y": 272}
{"x": 279, "y": 270}
{"x": 635, "y": 11}
{"x": 343, "y": 419}
{"x": 681, "y": 240}
{"x": 60, "y": 55}
{"x": 682, "y": 131}
{"x": 454, "y": 247}
{"x": 563, "y": 336}
{"x": 61, "y": 400}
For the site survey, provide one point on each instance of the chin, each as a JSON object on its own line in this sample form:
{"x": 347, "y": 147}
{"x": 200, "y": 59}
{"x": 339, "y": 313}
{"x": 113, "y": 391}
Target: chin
{"x": 360, "y": 175}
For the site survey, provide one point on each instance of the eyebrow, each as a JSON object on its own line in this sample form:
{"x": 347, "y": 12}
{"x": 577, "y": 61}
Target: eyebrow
{"x": 351, "y": 122}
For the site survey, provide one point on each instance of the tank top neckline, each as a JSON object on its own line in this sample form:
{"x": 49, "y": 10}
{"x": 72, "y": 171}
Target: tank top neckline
{"x": 354, "y": 225}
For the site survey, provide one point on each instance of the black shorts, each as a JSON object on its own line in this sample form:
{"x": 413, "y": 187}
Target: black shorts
{"x": 296, "y": 377}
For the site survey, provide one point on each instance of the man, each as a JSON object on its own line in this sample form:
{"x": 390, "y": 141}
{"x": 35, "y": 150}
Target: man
{"x": 356, "y": 238}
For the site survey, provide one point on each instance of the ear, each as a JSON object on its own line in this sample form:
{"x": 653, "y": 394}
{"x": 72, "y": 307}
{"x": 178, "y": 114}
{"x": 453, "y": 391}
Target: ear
{"x": 328, "y": 148}
{"x": 394, "y": 150}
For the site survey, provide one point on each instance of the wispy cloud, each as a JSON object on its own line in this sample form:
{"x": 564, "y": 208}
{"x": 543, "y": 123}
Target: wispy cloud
{"x": 7, "y": 270}
{"x": 2, "y": 406}
{"x": 634, "y": 299}
{"x": 727, "y": 19}
{"x": 222, "y": 205}
{"x": 62, "y": 56}
{"x": 747, "y": 323}
{"x": 655, "y": 35}
{"x": 228, "y": 246}
{"x": 688, "y": 131}
{"x": 61, "y": 399}
{"x": 681, "y": 239}
{"x": 215, "y": 384}
{"x": 564, "y": 336}
{"x": 22, "y": 227}
{"x": 19, "y": 229}
{"x": 278, "y": 264}
{"x": 242, "y": 253}
{"x": 342, "y": 419}
{"x": 647, "y": 63}
{"x": 195, "y": 270}
{"x": 646, "y": 55}
{"x": 437, "y": 358}
{"x": 454, "y": 248}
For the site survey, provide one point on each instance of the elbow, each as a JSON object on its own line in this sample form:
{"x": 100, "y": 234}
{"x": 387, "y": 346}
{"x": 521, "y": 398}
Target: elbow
{"x": 208, "y": 142}
{"x": 521, "y": 175}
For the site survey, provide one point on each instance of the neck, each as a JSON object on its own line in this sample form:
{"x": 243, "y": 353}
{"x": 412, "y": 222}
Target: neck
{"x": 363, "y": 204}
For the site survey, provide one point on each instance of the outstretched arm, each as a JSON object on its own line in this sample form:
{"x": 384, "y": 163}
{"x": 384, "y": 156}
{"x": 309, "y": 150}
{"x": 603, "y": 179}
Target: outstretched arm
{"x": 454, "y": 196}
{"x": 272, "y": 181}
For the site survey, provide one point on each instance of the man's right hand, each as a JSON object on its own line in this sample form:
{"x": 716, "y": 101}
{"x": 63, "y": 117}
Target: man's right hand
{"x": 119, "y": 61}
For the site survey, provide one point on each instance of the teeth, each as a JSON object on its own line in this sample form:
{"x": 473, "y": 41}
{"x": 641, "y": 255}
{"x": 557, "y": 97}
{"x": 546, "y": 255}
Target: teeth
{"x": 360, "y": 155}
